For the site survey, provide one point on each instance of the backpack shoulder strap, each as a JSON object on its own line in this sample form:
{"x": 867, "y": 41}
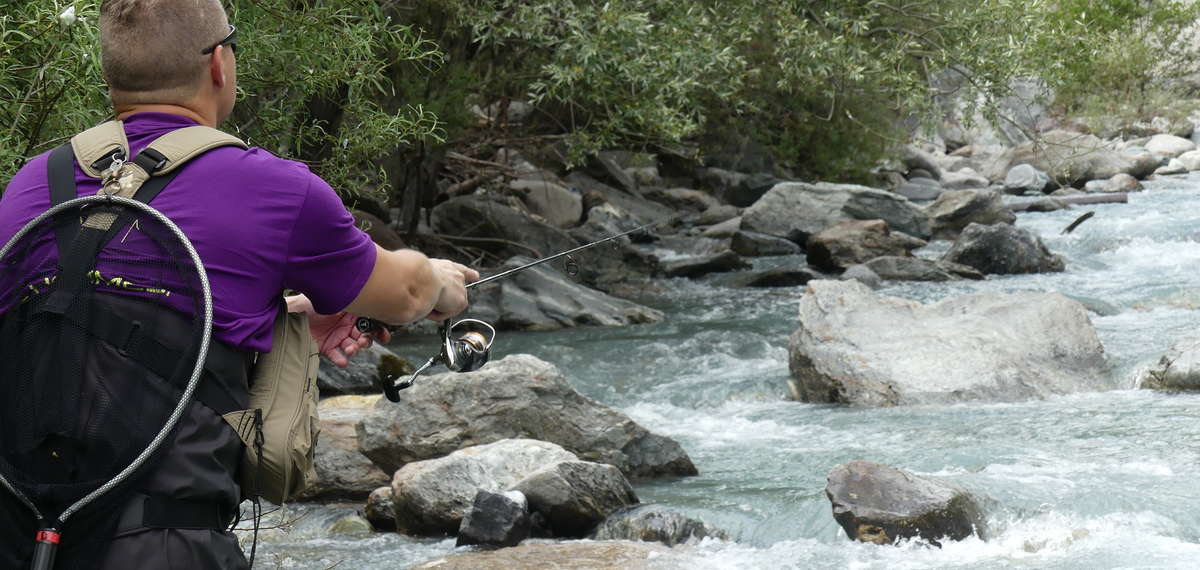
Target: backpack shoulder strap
{"x": 96, "y": 147}
{"x": 177, "y": 147}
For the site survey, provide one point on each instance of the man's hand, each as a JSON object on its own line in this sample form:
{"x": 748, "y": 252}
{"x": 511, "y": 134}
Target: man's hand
{"x": 336, "y": 336}
{"x": 453, "y": 297}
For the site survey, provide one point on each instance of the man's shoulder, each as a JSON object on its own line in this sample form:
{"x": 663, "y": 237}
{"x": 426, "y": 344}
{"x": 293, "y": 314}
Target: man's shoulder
{"x": 258, "y": 162}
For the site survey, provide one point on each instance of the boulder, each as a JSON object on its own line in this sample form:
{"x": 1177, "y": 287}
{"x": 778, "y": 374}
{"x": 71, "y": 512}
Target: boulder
{"x": 640, "y": 209}
{"x": 955, "y": 210}
{"x": 1071, "y": 158}
{"x": 542, "y": 298}
{"x": 964, "y": 179}
{"x": 609, "y": 166}
{"x": 862, "y": 274}
{"x": 1176, "y": 371}
{"x": 725, "y": 229}
{"x": 780, "y": 277}
{"x": 1143, "y": 163}
{"x": 1190, "y": 160}
{"x": 683, "y": 199}
{"x": 703, "y": 265}
{"x": 1169, "y": 146}
{"x": 517, "y": 396}
{"x": 881, "y": 504}
{"x": 619, "y": 555}
{"x": 1120, "y": 183}
{"x": 1047, "y": 204}
{"x": 343, "y": 472}
{"x": 753, "y": 244}
{"x": 357, "y": 378}
{"x": 380, "y": 510}
{"x": 899, "y": 268}
{"x": 920, "y": 189}
{"x": 1001, "y": 249}
{"x": 433, "y": 496}
{"x": 915, "y": 158}
{"x": 655, "y": 523}
{"x": 503, "y": 230}
{"x": 574, "y": 496}
{"x": 1174, "y": 166}
{"x": 495, "y": 520}
{"x": 749, "y": 189}
{"x": 559, "y": 206}
{"x": 720, "y": 182}
{"x": 1025, "y": 178}
{"x": 855, "y": 347}
{"x": 617, "y": 260}
{"x": 796, "y": 210}
{"x": 857, "y": 241}
{"x": 718, "y": 214}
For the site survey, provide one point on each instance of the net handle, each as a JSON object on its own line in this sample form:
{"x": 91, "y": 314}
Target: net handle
{"x": 201, "y": 356}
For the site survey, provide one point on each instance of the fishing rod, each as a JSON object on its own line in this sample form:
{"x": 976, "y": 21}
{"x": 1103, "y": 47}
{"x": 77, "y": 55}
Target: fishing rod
{"x": 467, "y": 343}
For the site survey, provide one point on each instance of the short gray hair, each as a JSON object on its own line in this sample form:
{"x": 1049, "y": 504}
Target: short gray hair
{"x": 150, "y": 49}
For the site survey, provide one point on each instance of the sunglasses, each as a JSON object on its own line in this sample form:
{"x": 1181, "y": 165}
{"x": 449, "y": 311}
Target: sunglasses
{"x": 230, "y": 40}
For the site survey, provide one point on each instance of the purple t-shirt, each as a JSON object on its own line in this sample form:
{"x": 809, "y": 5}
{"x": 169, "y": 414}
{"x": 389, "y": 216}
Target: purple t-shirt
{"x": 261, "y": 224}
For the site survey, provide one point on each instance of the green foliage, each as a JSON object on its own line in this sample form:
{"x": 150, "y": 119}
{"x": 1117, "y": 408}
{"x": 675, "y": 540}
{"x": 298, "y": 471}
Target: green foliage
{"x": 312, "y": 77}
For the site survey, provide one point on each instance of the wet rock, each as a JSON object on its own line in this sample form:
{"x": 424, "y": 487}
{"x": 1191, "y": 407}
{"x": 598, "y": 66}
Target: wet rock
{"x": 517, "y": 396}
{"x": 1047, "y": 204}
{"x": 621, "y": 555}
{"x": 683, "y": 199}
{"x": 1190, "y": 160}
{"x": 642, "y": 210}
{"x": 699, "y": 266}
{"x": 1071, "y": 158}
{"x": 1002, "y": 249}
{"x": 342, "y": 470}
{"x": 556, "y": 204}
{"x": 433, "y": 496}
{"x": 503, "y": 227}
{"x": 881, "y": 504}
{"x": 1143, "y": 163}
{"x": 495, "y": 520}
{"x": 858, "y": 241}
{"x": 655, "y": 523}
{"x": 978, "y": 347}
{"x": 1169, "y": 145}
{"x": 771, "y": 278}
{"x": 955, "y": 210}
{"x": 350, "y": 525}
{"x": 1178, "y": 370}
{"x": 1120, "y": 183}
{"x": 542, "y": 298}
{"x": 725, "y": 229}
{"x": 753, "y": 244}
{"x": 796, "y": 210}
{"x": 380, "y": 510}
{"x": 357, "y": 378}
{"x": 1025, "y": 178}
{"x": 920, "y": 189}
{"x": 863, "y": 274}
{"x": 898, "y": 268}
{"x": 574, "y": 496}
{"x": 1174, "y": 166}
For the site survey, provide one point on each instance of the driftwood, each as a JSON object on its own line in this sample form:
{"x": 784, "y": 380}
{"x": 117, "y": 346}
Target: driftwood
{"x": 1080, "y": 199}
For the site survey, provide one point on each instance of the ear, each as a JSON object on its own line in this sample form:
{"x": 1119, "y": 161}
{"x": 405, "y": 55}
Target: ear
{"x": 216, "y": 67}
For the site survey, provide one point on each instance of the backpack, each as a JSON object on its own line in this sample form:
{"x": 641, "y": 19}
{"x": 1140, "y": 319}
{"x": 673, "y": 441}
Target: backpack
{"x": 279, "y": 426}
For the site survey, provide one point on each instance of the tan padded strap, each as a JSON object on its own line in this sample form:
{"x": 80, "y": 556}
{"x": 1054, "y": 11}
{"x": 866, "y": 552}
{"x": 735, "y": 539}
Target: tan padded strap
{"x": 98, "y": 142}
{"x": 181, "y": 145}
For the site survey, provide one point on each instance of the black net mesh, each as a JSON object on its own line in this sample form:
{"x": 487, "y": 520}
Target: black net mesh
{"x": 96, "y": 347}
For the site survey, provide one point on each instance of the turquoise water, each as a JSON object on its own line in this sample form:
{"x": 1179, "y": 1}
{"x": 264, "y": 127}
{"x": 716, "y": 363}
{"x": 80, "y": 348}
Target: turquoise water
{"x": 1090, "y": 480}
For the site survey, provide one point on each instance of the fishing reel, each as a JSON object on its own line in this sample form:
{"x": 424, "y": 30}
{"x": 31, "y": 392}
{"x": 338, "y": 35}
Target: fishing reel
{"x": 466, "y": 346}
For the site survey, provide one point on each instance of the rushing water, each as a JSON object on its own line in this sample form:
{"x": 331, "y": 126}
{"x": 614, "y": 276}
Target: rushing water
{"x": 1090, "y": 480}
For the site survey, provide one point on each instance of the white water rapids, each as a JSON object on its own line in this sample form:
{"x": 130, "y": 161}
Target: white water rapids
{"x": 1085, "y": 481}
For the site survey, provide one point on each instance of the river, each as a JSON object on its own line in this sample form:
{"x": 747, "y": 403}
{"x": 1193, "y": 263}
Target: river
{"x": 1083, "y": 481}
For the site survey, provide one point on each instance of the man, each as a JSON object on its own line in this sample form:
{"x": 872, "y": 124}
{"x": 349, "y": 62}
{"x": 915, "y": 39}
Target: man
{"x": 261, "y": 225}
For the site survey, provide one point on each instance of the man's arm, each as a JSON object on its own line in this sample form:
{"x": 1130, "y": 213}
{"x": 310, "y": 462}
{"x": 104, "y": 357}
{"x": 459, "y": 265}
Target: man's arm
{"x": 405, "y": 286}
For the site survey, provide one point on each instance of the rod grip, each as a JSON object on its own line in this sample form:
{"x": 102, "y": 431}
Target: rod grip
{"x": 45, "y": 550}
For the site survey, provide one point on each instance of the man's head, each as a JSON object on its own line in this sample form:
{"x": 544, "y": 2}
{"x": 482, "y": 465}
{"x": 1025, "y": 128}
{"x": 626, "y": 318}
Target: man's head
{"x": 151, "y": 51}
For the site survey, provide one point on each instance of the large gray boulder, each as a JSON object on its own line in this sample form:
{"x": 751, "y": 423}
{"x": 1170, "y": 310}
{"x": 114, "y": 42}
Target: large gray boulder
{"x": 655, "y": 523}
{"x": 642, "y": 210}
{"x": 574, "y": 496}
{"x": 881, "y": 504}
{"x": 856, "y": 347}
{"x": 1025, "y": 178}
{"x": 1002, "y": 249}
{"x": 433, "y": 496}
{"x": 722, "y": 262}
{"x": 857, "y": 241}
{"x": 1169, "y": 146}
{"x": 797, "y": 210}
{"x": 343, "y": 472}
{"x": 543, "y": 298}
{"x": 1178, "y": 370}
{"x": 955, "y": 210}
{"x": 517, "y": 396}
{"x": 1072, "y": 158}
{"x": 556, "y": 204}
{"x": 506, "y": 230}
{"x": 900, "y": 268}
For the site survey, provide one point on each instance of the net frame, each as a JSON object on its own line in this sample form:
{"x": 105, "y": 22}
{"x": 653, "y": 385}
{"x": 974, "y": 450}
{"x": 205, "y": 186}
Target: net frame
{"x": 198, "y": 367}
